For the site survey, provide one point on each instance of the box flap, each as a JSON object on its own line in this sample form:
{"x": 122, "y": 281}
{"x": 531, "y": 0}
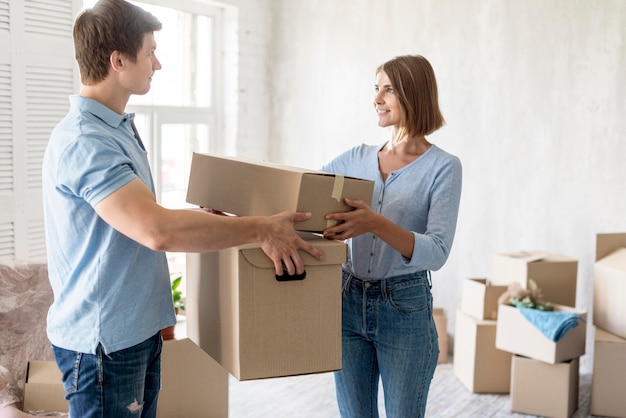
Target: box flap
{"x": 607, "y": 337}
{"x": 528, "y": 256}
{"x": 607, "y": 243}
{"x": 615, "y": 260}
{"x": 335, "y": 252}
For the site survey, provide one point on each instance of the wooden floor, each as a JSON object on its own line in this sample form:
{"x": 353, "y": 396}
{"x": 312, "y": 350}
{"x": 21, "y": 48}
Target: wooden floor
{"x": 313, "y": 396}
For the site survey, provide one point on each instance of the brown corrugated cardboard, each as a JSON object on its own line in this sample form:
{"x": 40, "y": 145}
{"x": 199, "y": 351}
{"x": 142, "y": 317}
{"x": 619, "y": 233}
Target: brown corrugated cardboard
{"x": 193, "y": 384}
{"x": 609, "y": 284}
{"x": 609, "y": 375}
{"x": 243, "y": 187}
{"x": 44, "y": 390}
{"x": 479, "y": 298}
{"x": 478, "y": 364}
{"x": 257, "y": 327}
{"x": 515, "y": 334}
{"x": 441, "y": 323}
{"x": 554, "y": 274}
{"x": 549, "y": 390}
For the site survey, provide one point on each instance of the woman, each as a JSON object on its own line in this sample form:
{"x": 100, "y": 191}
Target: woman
{"x": 388, "y": 328}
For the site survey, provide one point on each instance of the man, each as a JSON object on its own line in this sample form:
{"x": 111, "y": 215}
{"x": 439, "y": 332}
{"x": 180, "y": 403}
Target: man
{"x": 106, "y": 235}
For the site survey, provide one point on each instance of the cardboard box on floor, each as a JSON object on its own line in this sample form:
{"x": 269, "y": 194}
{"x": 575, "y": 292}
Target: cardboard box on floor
{"x": 555, "y": 274}
{"x": 441, "y": 323}
{"x": 515, "y": 334}
{"x": 43, "y": 390}
{"x": 549, "y": 390}
{"x": 243, "y": 187}
{"x": 609, "y": 375}
{"x": 609, "y": 283}
{"x": 478, "y": 364}
{"x": 193, "y": 384}
{"x": 479, "y": 298}
{"x": 257, "y": 327}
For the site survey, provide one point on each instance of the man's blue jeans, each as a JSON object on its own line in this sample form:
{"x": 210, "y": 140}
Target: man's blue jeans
{"x": 122, "y": 384}
{"x": 388, "y": 333}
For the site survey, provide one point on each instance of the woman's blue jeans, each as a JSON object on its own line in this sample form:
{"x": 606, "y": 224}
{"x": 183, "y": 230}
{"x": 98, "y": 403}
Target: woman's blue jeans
{"x": 122, "y": 384}
{"x": 388, "y": 333}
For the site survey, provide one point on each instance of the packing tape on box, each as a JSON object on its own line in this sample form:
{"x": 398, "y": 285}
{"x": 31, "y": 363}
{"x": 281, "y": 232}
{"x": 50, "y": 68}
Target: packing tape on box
{"x": 336, "y": 194}
{"x": 338, "y": 187}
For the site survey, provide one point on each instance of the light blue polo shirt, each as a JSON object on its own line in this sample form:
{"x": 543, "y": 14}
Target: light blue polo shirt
{"x": 108, "y": 289}
{"x": 422, "y": 197}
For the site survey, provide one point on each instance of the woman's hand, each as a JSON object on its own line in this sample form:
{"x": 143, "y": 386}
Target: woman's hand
{"x": 358, "y": 221}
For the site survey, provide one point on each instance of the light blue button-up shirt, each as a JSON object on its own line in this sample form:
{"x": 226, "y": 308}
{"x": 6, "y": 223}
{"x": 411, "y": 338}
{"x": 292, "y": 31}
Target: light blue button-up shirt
{"x": 422, "y": 197}
{"x": 108, "y": 289}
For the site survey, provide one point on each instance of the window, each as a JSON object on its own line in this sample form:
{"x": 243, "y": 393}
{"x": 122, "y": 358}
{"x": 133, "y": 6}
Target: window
{"x": 179, "y": 115}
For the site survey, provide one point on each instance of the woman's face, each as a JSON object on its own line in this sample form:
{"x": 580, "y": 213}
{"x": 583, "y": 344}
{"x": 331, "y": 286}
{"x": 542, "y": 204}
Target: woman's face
{"x": 386, "y": 102}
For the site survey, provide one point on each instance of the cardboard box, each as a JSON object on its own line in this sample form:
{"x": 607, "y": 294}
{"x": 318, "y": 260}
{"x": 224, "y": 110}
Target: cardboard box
{"x": 609, "y": 284}
{"x": 609, "y": 375}
{"x": 479, "y": 298}
{"x": 258, "y": 327}
{"x": 555, "y": 274}
{"x": 244, "y": 187}
{"x": 43, "y": 390}
{"x": 515, "y": 334}
{"x": 549, "y": 390}
{"x": 478, "y": 364}
{"x": 193, "y": 385}
{"x": 441, "y": 323}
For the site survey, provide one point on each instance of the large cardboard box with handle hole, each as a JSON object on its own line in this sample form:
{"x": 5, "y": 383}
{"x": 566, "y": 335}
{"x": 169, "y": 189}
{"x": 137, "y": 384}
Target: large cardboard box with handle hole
{"x": 256, "y": 326}
{"x": 245, "y": 187}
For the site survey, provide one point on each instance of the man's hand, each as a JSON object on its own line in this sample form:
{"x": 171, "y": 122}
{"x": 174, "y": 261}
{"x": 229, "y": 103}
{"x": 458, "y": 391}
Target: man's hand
{"x": 282, "y": 243}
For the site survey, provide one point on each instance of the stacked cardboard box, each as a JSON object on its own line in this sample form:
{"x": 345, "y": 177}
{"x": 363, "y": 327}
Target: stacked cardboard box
{"x": 609, "y": 317}
{"x": 258, "y": 327}
{"x": 555, "y": 274}
{"x": 478, "y": 364}
{"x": 441, "y": 323}
{"x": 244, "y": 187}
{"x": 193, "y": 384}
{"x": 544, "y": 373}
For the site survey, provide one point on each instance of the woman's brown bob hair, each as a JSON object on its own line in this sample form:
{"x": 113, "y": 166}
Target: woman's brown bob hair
{"x": 111, "y": 25}
{"x": 413, "y": 80}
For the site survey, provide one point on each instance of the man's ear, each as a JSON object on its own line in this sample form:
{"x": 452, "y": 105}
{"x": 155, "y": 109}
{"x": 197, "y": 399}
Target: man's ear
{"x": 116, "y": 59}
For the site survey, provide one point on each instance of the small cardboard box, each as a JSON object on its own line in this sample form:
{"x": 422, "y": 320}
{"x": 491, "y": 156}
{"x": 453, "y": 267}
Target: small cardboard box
{"x": 609, "y": 375}
{"x": 244, "y": 187}
{"x": 43, "y": 390}
{"x": 193, "y": 385}
{"x": 480, "y": 298}
{"x": 555, "y": 274}
{"x": 549, "y": 390}
{"x": 257, "y": 327}
{"x": 478, "y": 364}
{"x": 609, "y": 284}
{"x": 515, "y": 334}
{"x": 441, "y": 323}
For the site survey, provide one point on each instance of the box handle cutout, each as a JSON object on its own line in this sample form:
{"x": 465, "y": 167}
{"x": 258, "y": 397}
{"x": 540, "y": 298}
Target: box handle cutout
{"x": 285, "y": 277}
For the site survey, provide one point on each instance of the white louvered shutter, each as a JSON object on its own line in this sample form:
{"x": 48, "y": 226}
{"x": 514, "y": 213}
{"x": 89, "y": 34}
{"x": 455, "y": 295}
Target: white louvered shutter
{"x": 37, "y": 74}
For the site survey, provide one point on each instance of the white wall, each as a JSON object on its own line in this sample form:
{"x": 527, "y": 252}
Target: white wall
{"x": 534, "y": 96}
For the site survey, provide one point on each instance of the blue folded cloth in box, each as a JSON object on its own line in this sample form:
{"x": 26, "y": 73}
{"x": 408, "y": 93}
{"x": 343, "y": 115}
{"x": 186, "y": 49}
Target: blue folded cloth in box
{"x": 552, "y": 324}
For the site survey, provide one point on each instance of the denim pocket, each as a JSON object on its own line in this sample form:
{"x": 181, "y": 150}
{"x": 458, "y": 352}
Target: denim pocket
{"x": 410, "y": 298}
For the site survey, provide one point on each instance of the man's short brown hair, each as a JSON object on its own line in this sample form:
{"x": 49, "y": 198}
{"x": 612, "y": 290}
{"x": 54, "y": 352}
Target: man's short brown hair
{"x": 110, "y": 25}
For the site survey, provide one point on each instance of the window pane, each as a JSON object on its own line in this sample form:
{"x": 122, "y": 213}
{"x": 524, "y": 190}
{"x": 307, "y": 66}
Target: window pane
{"x": 184, "y": 48}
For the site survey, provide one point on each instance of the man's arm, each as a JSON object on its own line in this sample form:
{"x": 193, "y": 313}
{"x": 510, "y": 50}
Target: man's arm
{"x": 133, "y": 211}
